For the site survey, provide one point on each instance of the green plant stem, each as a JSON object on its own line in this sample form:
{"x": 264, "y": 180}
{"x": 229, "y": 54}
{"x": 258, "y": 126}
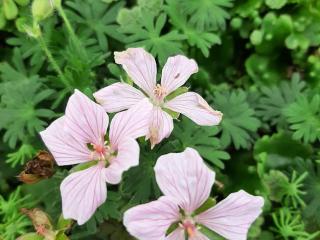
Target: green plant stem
{"x": 53, "y": 61}
{"x": 67, "y": 22}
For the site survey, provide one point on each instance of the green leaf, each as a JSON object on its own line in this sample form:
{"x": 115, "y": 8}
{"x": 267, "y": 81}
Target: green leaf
{"x": 148, "y": 34}
{"x": 203, "y": 40}
{"x": 24, "y": 153}
{"x": 83, "y": 166}
{"x": 207, "y": 14}
{"x": 312, "y": 189}
{"x": 304, "y": 118}
{"x": 239, "y": 123}
{"x": 209, "y": 233}
{"x": 98, "y": 17}
{"x": 205, "y": 206}
{"x": 276, "y": 147}
{"x": 30, "y": 236}
{"x": 276, "y": 4}
{"x": 139, "y": 183}
{"x": 203, "y": 139}
{"x": 177, "y": 92}
{"x": 63, "y": 224}
{"x": 276, "y": 98}
{"x": 23, "y": 109}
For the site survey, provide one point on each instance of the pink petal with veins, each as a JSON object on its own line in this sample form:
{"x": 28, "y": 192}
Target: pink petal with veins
{"x": 185, "y": 177}
{"x": 65, "y": 148}
{"x": 151, "y": 221}
{"x": 232, "y": 217}
{"x": 176, "y": 72}
{"x": 160, "y": 126}
{"x": 82, "y": 193}
{"x": 118, "y": 97}
{"x": 196, "y": 108}
{"x": 140, "y": 66}
{"x": 127, "y": 157}
{"x": 132, "y": 123}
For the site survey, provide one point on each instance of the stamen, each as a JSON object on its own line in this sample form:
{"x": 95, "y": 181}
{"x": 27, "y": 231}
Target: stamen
{"x": 159, "y": 92}
{"x": 189, "y": 227}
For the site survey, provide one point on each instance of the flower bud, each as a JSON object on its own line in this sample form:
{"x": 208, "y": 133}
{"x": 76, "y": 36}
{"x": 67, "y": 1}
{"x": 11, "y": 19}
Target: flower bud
{"x": 41, "y": 9}
{"x": 10, "y": 9}
{"x": 41, "y": 223}
{"x": 30, "y": 236}
{"x": 40, "y": 167}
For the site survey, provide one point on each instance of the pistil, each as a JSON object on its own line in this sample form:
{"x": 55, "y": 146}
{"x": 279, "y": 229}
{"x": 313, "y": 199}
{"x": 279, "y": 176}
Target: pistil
{"x": 159, "y": 93}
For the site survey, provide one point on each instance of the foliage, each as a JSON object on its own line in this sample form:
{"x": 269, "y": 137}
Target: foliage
{"x": 258, "y": 64}
{"x": 12, "y": 222}
{"x": 303, "y": 116}
{"x": 202, "y": 139}
{"x": 239, "y": 122}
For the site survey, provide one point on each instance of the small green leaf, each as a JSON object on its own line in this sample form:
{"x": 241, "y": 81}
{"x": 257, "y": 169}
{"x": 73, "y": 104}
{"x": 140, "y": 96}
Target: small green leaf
{"x": 176, "y": 93}
{"x": 172, "y": 227}
{"x": 173, "y": 114}
{"x": 61, "y": 236}
{"x": 83, "y": 166}
{"x": 209, "y": 233}
{"x": 63, "y": 224}
{"x": 205, "y": 206}
{"x": 30, "y": 236}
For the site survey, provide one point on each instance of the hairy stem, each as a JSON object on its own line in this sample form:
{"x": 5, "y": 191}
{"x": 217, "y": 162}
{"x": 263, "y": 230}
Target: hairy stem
{"x": 52, "y": 61}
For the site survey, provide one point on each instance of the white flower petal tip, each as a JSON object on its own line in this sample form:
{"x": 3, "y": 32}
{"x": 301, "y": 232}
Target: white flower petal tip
{"x": 118, "y": 97}
{"x": 160, "y": 126}
{"x": 127, "y": 157}
{"x": 177, "y": 71}
{"x": 185, "y": 177}
{"x": 193, "y": 106}
{"x": 140, "y": 66}
{"x": 233, "y": 216}
{"x": 150, "y": 221}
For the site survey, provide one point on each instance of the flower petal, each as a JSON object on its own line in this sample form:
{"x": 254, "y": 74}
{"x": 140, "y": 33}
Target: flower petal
{"x": 177, "y": 71}
{"x": 196, "y": 108}
{"x": 118, "y": 97}
{"x": 127, "y": 157}
{"x": 160, "y": 126}
{"x": 85, "y": 120}
{"x": 65, "y": 149}
{"x": 140, "y": 66}
{"x": 232, "y": 217}
{"x": 82, "y": 193}
{"x": 132, "y": 123}
{"x": 179, "y": 234}
{"x": 185, "y": 177}
{"x": 151, "y": 221}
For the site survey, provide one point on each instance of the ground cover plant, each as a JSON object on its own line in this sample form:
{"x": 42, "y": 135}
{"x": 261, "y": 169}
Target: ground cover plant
{"x": 208, "y": 110}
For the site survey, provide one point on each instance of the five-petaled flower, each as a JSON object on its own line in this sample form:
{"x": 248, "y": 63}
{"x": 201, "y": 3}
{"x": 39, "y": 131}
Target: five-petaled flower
{"x": 141, "y": 68}
{"x": 186, "y": 183}
{"x": 79, "y": 137}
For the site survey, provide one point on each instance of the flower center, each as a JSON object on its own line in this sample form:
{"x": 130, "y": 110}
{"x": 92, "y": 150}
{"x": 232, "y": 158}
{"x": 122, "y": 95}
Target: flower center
{"x": 159, "y": 93}
{"x": 102, "y": 152}
{"x": 189, "y": 227}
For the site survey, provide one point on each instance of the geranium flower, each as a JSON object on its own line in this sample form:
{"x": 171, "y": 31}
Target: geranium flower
{"x": 165, "y": 97}
{"x": 186, "y": 183}
{"x": 79, "y": 137}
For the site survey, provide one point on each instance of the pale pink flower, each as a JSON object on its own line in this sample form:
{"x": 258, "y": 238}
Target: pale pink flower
{"x": 80, "y": 137}
{"x": 186, "y": 182}
{"x": 141, "y": 68}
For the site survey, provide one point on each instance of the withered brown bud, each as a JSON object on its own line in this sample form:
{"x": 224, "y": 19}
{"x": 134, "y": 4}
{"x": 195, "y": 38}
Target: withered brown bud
{"x": 40, "y": 167}
{"x": 40, "y": 220}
